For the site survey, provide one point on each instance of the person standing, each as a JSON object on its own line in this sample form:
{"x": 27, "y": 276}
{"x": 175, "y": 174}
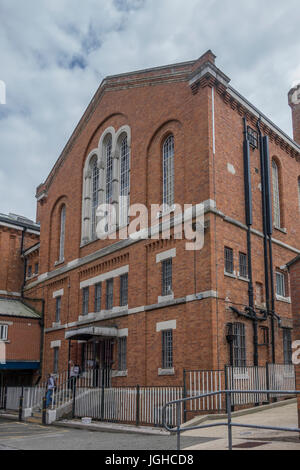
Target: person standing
{"x": 50, "y": 389}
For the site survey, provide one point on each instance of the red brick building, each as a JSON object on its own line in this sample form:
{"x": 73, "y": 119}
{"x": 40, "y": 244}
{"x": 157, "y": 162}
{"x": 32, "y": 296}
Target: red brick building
{"x": 20, "y": 329}
{"x": 148, "y": 308}
{"x": 294, "y": 269}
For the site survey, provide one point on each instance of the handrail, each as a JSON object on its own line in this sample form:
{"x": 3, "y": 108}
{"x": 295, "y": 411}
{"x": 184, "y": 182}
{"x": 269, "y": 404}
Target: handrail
{"x": 178, "y": 429}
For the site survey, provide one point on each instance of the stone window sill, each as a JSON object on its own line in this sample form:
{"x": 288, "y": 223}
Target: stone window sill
{"x": 59, "y": 262}
{"x": 232, "y": 275}
{"x": 281, "y": 229}
{"x": 119, "y": 373}
{"x": 166, "y": 371}
{"x": 287, "y": 300}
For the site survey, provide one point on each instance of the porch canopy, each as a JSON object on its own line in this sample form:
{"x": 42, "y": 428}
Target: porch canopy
{"x": 86, "y": 333}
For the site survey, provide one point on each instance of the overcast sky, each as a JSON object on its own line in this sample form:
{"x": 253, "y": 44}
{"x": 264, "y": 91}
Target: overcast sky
{"x": 55, "y": 53}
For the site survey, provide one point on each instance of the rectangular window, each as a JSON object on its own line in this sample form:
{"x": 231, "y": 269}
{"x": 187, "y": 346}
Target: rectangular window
{"x": 55, "y": 360}
{"x": 36, "y": 268}
{"x": 122, "y": 353}
{"x": 243, "y": 265}
{"x": 3, "y": 332}
{"x": 167, "y": 277}
{"x": 109, "y": 294}
{"x": 85, "y": 301}
{"x": 29, "y": 273}
{"x": 124, "y": 290}
{"x": 239, "y": 345}
{"x": 252, "y": 137}
{"x": 280, "y": 284}
{"x": 228, "y": 256}
{"x": 287, "y": 346}
{"x": 167, "y": 349}
{"x": 57, "y": 309}
{"x": 98, "y": 295}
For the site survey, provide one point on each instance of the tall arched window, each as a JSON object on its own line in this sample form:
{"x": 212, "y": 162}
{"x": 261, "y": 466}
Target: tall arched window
{"x": 62, "y": 233}
{"x": 109, "y": 170}
{"x": 95, "y": 194}
{"x": 168, "y": 171}
{"x": 124, "y": 181}
{"x": 276, "y": 194}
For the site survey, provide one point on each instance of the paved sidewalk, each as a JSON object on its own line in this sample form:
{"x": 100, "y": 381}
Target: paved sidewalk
{"x": 260, "y": 439}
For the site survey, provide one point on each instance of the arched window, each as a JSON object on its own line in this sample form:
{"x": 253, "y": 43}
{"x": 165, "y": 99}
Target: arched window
{"x": 168, "y": 171}
{"x": 109, "y": 170}
{"x": 124, "y": 181}
{"x": 95, "y": 194}
{"x": 276, "y": 194}
{"x": 62, "y": 233}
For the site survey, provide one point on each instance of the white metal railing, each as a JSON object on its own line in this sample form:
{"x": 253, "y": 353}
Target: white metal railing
{"x": 198, "y": 382}
{"x": 281, "y": 377}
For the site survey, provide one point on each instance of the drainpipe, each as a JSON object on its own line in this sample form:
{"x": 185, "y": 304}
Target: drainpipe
{"x": 249, "y": 222}
{"x": 269, "y": 234}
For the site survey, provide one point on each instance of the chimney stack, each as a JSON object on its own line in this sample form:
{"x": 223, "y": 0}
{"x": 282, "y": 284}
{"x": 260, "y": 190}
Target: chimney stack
{"x": 294, "y": 102}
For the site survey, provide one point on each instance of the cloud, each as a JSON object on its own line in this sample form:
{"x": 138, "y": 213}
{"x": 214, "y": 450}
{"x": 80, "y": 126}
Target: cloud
{"x": 55, "y": 54}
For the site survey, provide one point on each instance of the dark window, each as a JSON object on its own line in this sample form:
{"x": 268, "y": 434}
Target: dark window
{"x": 167, "y": 349}
{"x": 124, "y": 290}
{"x": 167, "y": 277}
{"x": 122, "y": 353}
{"x": 3, "y": 333}
{"x": 98, "y": 295}
{"x": 29, "y": 274}
{"x": 109, "y": 294}
{"x": 55, "y": 360}
{"x": 264, "y": 335}
{"x": 36, "y": 268}
{"x": 85, "y": 301}
{"x": 228, "y": 255}
{"x": 57, "y": 309}
{"x": 243, "y": 265}
{"x": 252, "y": 137}
{"x": 238, "y": 344}
{"x": 287, "y": 346}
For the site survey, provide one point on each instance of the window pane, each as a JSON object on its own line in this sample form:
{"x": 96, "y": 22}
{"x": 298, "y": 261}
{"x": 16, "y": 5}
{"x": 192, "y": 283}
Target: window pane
{"x": 239, "y": 345}
{"x": 95, "y": 195}
{"x": 124, "y": 181}
{"x": 167, "y": 277}
{"x": 243, "y": 265}
{"x": 280, "y": 284}
{"x": 287, "y": 346}
{"x": 85, "y": 301}
{"x": 62, "y": 233}
{"x": 167, "y": 349}
{"x": 122, "y": 353}
{"x": 168, "y": 171}
{"x": 124, "y": 290}
{"x": 109, "y": 294}
{"x": 276, "y": 195}
{"x": 228, "y": 254}
{"x": 57, "y": 311}
{"x": 98, "y": 295}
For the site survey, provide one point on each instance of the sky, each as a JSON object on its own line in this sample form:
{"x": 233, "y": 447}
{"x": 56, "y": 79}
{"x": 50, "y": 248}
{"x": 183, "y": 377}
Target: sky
{"x": 55, "y": 53}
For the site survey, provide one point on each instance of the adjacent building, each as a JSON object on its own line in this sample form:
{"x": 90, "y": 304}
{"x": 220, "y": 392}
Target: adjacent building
{"x": 20, "y": 319}
{"x": 148, "y": 308}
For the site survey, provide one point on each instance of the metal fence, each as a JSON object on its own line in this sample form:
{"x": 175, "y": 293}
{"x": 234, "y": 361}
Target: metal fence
{"x": 135, "y": 405}
{"x": 197, "y": 382}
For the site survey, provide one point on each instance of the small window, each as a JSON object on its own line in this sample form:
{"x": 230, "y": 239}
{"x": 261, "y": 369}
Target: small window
{"x": 280, "y": 284}
{"x": 243, "y": 265}
{"x": 122, "y": 353}
{"x": 29, "y": 272}
{"x": 167, "y": 277}
{"x": 57, "y": 309}
{"x": 109, "y": 294}
{"x": 3, "y": 332}
{"x": 287, "y": 346}
{"x": 167, "y": 349}
{"x": 124, "y": 290}
{"x": 98, "y": 295}
{"x": 252, "y": 137}
{"x": 264, "y": 333}
{"x": 36, "y": 268}
{"x": 55, "y": 360}
{"x": 85, "y": 301}
{"x": 228, "y": 255}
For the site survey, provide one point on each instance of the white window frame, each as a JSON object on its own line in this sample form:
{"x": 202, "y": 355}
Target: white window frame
{"x": 168, "y": 171}
{"x": 3, "y": 332}
{"x": 62, "y": 233}
{"x": 276, "y": 195}
{"x": 282, "y": 284}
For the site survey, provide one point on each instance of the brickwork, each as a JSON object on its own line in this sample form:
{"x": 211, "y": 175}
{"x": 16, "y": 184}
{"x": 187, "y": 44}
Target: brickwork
{"x": 207, "y": 124}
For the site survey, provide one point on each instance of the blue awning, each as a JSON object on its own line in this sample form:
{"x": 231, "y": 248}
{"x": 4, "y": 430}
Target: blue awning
{"x": 20, "y": 365}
